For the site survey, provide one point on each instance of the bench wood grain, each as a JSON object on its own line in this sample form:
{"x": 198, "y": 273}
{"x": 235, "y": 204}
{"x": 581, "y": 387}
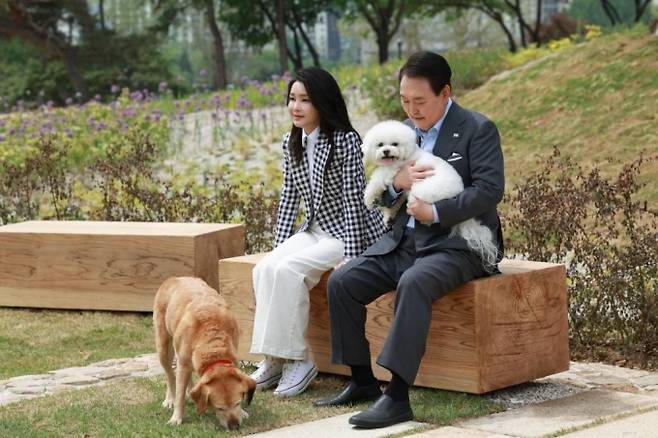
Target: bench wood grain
{"x": 106, "y": 265}
{"x": 487, "y": 334}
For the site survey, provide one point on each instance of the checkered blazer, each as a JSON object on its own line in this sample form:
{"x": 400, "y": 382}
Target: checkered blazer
{"x": 336, "y": 203}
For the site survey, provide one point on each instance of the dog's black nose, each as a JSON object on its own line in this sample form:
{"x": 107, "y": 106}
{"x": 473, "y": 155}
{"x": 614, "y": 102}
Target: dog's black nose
{"x": 234, "y": 425}
{"x": 386, "y": 152}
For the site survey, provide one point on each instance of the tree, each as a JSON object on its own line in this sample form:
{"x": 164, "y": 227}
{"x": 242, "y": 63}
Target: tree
{"x": 36, "y": 23}
{"x": 169, "y": 11}
{"x": 494, "y": 9}
{"x": 610, "y": 12}
{"x": 257, "y": 23}
{"x": 384, "y": 17}
{"x": 279, "y": 30}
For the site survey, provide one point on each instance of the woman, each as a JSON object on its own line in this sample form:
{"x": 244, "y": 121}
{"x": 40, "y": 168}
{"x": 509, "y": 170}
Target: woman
{"x": 323, "y": 166}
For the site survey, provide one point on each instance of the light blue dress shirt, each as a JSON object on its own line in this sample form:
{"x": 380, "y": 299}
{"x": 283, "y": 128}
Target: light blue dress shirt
{"x": 427, "y": 141}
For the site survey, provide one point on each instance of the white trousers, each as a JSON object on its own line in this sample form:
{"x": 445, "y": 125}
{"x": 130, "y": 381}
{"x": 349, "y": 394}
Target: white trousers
{"x": 282, "y": 280}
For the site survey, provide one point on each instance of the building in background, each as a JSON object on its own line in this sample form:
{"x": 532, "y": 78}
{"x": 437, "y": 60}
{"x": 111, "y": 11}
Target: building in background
{"x": 326, "y": 37}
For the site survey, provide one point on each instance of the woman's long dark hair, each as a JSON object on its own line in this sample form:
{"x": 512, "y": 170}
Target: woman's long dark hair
{"x": 325, "y": 95}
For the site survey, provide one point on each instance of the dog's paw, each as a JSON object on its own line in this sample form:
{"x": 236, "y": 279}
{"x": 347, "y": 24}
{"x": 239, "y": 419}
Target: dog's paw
{"x": 175, "y": 420}
{"x": 168, "y": 403}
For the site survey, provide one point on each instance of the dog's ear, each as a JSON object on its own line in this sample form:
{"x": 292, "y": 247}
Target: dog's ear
{"x": 200, "y": 396}
{"x": 250, "y": 386}
{"x": 367, "y": 148}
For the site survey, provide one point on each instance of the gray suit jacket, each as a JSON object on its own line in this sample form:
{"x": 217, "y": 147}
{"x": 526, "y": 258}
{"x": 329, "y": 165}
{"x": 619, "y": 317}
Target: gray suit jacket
{"x": 471, "y": 144}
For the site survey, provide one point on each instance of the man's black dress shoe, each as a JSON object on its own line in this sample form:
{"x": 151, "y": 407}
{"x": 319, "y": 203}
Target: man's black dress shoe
{"x": 384, "y": 412}
{"x": 352, "y": 393}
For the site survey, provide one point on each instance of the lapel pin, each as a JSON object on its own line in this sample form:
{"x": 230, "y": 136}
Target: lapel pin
{"x": 455, "y": 134}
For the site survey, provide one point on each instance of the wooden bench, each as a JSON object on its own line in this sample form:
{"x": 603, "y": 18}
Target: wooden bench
{"x": 106, "y": 265}
{"x": 485, "y": 335}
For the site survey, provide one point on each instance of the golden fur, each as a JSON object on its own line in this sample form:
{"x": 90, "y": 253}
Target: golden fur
{"x": 193, "y": 318}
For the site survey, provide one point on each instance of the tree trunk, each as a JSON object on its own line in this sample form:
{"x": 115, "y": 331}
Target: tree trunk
{"x": 640, "y": 7}
{"x": 498, "y": 17}
{"x": 101, "y": 12}
{"x": 296, "y": 56}
{"x": 219, "y": 77}
{"x": 67, "y": 55}
{"x": 536, "y": 35}
{"x": 611, "y": 12}
{"x": 281, "y": 35}
{"x": 307, "y": 40}
{"x": 382, "y": 46}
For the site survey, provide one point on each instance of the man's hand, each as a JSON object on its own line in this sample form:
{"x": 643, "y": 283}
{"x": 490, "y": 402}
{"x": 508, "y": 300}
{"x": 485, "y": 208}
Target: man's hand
{"x": 421, "y": 211}
{"x": 409, "y": 174}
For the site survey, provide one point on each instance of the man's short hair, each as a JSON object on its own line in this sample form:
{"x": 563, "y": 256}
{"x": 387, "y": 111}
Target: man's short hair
{"x": 428, "y": 65}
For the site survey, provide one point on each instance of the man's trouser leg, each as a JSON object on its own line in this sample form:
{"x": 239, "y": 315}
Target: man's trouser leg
{"x": 356, "y": 284}
{"x": 428, "y": 279}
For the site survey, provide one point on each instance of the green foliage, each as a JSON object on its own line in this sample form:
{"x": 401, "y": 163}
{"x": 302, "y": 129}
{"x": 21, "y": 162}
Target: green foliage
{"x": 132, "y": 61}
{"x": 592, "y": 12}
{"x": 27, "y": 75}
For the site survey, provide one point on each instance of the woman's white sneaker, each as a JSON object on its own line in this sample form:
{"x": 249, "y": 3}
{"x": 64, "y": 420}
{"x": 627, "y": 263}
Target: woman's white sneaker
{"x": 296, "y": 377}
{"x": 268, "y": 372}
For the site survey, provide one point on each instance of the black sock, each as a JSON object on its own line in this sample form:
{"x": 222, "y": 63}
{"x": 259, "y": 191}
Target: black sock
{"x": 362, "y": 375}
{"x": 398, "y": 389}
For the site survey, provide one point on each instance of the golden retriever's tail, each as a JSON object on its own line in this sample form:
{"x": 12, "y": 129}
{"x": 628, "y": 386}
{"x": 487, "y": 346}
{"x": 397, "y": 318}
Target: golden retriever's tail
{"x": 480, "y": 240}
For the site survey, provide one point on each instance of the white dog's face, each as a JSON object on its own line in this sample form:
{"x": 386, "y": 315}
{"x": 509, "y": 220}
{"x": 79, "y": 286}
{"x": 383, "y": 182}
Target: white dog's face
{"x": 389, "y": 143}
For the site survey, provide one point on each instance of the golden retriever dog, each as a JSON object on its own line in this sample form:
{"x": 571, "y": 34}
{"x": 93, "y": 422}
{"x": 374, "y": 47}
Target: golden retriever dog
{"x": 191, "y": 319}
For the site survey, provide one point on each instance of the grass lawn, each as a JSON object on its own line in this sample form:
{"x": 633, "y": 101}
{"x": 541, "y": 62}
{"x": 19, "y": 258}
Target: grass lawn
{"x": 36, "y": 341}
{"x": 132, "y": 407}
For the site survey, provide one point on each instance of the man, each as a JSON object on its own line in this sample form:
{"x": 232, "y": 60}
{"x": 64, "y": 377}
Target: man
{"x": 421, "y": 262}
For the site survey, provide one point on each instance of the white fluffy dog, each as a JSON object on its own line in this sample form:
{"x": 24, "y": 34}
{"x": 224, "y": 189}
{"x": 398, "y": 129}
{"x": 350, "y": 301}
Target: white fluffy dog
{"x": 392, "y": 144}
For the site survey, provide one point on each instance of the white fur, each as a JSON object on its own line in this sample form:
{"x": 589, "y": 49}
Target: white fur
{"x": 390, "y": 145}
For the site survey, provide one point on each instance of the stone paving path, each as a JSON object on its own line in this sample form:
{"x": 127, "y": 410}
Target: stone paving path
{"x": 591, "y": 399}
{"x": 30, "y": 386}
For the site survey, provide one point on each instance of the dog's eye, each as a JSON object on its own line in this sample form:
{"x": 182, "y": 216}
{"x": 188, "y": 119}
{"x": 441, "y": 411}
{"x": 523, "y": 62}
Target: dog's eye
{"x": 380, "y": 144}
{"x": 395, "y": 144}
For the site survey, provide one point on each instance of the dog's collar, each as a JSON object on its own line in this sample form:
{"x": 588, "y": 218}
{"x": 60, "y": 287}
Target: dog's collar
{"x": 222, "y": 362}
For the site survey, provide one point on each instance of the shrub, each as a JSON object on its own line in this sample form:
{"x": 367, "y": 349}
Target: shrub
{"x": 609, "y": 243}
{"x": 125, "y": 184}
{"x": 560, "y": 26}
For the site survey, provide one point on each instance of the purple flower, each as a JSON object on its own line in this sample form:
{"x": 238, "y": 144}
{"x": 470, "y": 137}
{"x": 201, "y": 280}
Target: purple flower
{"x": 243, "y": 102}
{"x": 2, "y": 138}
{"x": 97, "y": 98}
{"x": 101, "y": 126}
{"x": 114, "y": 89}
{"x": 68, "y": 101}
